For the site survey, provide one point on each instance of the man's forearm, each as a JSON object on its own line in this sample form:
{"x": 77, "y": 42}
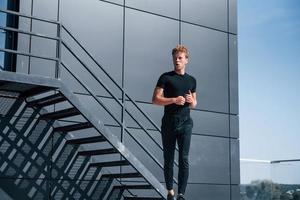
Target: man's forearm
{"x": 163, "y": 101}
{"x": 193, "y": 104}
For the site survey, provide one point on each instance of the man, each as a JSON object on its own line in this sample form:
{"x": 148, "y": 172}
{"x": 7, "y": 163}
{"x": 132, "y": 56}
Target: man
{"x": 176, "y": 91}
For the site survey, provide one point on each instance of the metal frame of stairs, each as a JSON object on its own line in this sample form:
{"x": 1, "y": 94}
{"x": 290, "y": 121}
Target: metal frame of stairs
{"x": 11, "y": 81}
{"x": 30, "y": 86}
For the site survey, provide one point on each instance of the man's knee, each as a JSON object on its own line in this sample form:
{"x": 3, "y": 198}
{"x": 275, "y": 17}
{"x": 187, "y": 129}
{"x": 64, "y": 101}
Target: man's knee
{"x": 184, "y": 162}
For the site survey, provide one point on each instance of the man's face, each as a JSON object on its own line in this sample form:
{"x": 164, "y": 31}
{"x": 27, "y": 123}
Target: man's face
{"x": 179, "y": 60}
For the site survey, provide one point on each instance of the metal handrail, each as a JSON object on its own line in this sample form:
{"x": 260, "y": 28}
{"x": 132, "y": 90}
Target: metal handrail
{"x": 102, "y": 104}
{"x": 117, "y": 100}
{"x": 29, "y": 16}
{"x": 28, "y": 54}
{"x": 108, "y": 111}
{"x": 115, "y": 83}
{"x": 119, "y": 87}
{"x": 29, "y": 33}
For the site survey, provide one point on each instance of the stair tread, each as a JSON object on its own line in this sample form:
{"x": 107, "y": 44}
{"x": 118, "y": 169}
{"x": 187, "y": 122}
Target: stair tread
{"x": 87, "y": 140}
{"x": 73, "y": 127}
{"x": 143, "y": 198}
{"x": 35, "y": 91}
{"x": 110, "y": 163}
{"x": 133, "y": 187}
{"x": 123, "y": 175}
{"x": 48, "y": 100}
{"x": 98, "y": 152}
{"x": 61, "y": 114}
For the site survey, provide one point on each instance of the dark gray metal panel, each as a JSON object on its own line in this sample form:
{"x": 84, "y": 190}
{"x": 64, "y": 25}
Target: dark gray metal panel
{"x": 95, "y": 108}
{"x": 2, "y": 43}
{"x": 168, "y": 8}
{"x": 234, "y": 126}
{"x": 42, "y": 67}
{"x": 148, "y": 144}
{"x": 25, "y": 6}
{"x": 152, "y": 111}
{"x": 46, "y": 9}
{"x": 147, "y": 51}
{"x": 43, "y": 47}
{"x": 87, "y": 72}
{"x": 208, "y": 192}
{"x": 23, "y": 46}
{"x": 45, "y": 28}
{"x": 235, "y": 161}
{"x": 232, "y": 16}
{"x": 155, "y": 112}
{"x": 209, "y": 160}
{"x": 23, "y": 40}
{"x": 99, "y": 28}
{"x": 233, "y": 68}
{"x": 209, "y": 123}
{"x": 235, "y": 192}
{"x": 208, "y": 63}
{"x": 212, "y": 13}
{"x": 120, "y": 2}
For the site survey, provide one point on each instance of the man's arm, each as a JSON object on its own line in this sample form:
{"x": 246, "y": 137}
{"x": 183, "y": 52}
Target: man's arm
{"x": 159, "y": 99}
{"x": 191, "y": 98}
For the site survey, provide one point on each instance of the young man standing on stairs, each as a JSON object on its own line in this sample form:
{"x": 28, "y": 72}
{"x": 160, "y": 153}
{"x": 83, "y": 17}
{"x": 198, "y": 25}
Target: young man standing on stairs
{"x": 176, "y": 91}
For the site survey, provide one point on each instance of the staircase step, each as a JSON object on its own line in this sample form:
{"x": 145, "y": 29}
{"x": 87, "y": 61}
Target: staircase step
{"x": 110, "y": 164}
{"x": 49, "y": 100}
{"x": 35, "y": 91}
{"x": 73, "y": 127}
{"x": 133, "y": 187}
{"x": 123, "y": 175}
{"x": 87, "y": 140}
{"x": 61, "y": 114}
{"x": 143, "y": 198}
{"x": 98, "y": 152}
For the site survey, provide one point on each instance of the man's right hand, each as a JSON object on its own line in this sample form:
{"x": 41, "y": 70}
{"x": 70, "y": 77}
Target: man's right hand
{"x": 180, "y": 100}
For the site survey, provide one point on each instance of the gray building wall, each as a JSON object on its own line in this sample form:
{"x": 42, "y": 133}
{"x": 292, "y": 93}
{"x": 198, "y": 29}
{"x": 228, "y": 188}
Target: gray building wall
{"x": 132, "y": 40}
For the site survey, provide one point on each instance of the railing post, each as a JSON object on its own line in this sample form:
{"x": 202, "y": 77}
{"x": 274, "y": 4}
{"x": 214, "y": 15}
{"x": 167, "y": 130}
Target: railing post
{"x": 58, "y": 51}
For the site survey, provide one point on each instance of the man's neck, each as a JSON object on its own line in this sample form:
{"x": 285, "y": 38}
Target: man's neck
{"x": 180, "y": 72}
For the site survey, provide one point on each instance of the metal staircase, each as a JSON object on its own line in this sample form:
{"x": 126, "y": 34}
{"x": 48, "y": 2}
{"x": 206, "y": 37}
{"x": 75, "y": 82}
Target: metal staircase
{"x": 115, "y": 186}
{"x": 117, "y": 172}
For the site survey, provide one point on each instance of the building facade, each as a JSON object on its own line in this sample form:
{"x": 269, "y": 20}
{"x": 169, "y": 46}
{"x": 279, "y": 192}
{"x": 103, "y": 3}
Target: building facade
{"x": 71, "y": 40}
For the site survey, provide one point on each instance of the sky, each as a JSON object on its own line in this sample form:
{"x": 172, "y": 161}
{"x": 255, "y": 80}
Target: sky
{"x": 269, "y": 79}
{"x": 269, "y": 88}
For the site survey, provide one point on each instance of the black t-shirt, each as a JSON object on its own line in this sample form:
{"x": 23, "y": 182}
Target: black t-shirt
{"x": 176, "y": 85}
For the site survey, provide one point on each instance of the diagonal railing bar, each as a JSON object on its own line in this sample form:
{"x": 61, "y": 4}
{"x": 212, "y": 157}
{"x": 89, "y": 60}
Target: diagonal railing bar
{"x": 109, "y": 112}
{"x": 107, "y": 89}
{"x": 111, "y": 139}
{"x": 109, "y": 76}
{"x": 115, "y": 98}
{"x": 91, "y": 93}
{"x": 119, "y": 87}
{"x": 92, "y": 74}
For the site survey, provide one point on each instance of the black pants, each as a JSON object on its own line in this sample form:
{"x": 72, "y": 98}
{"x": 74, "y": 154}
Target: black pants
{"x": 176, "y": 128}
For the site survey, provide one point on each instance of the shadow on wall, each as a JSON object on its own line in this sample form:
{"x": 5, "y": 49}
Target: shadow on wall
{"x": 37, "y": 163}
